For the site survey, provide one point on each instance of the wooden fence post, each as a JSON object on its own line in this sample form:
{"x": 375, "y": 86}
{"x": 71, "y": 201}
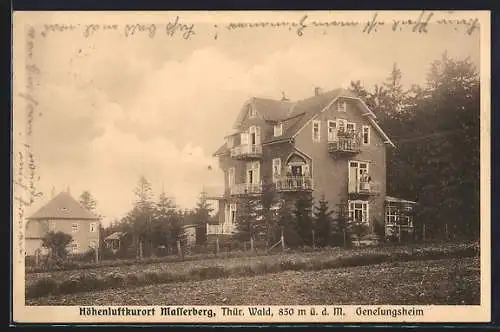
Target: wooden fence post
{"x": 37, "y": 258}
{"x": 314, "y": 240}
{"x": 179, "y": 250}
{"x": 217, "y": 244}
{"x": 399, "y": 234}
{"x": 282, "y": 240}
{"x": 251, "y": 243}
{"x": 96, "y": 249}
{"x": 423, "y": 232}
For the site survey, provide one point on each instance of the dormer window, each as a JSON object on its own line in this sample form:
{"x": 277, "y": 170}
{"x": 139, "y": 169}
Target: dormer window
{"x": 341, "y": 106}
{"x": 278, "y": 129}
{"x": 251, "y": 112}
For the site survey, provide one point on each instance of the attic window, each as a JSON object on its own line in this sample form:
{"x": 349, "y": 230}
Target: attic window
{"x": 63, "y": 209}
{"x": 251, "y": 112}
{"x": 278, "y": 129}
{"x": 341, "y": 106}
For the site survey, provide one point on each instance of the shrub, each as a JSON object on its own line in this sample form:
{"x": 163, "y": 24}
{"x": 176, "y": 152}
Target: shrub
{"x": 113, "y": 280}
{"x": 241, "y": 271}
{"x": 151, "y": 278}
{"x": 210, "y": 272}
{"x": 42, "y": 287}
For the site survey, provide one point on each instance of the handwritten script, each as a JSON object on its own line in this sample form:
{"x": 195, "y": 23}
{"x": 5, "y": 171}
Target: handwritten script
{"x": 420, "y": 23}
{"x": 25, "y": 176}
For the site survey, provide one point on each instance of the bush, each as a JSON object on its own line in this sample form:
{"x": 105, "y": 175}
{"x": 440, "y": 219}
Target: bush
{"x": 42, "y": 287}
{"x": 210, "y": 272}
{"x": 113, "y": 280}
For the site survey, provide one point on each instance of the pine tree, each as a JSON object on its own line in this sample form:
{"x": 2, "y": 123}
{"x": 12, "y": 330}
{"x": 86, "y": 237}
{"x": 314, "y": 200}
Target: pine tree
{"x": 246, "y": 218}
{"x": 88, "y": 201}
{"x": 342, "y": 221}
{"x": 323, "y": 223}
{"x": 202, "y": 216}
{"x": 303, "y": 217}
{"x": 288, "y": 225}
{"x": 268, "y": 203}
{"x": 162, "y": 221}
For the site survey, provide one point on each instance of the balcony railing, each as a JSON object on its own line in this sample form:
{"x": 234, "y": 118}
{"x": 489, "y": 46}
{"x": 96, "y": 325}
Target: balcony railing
{"x": 345, "y": 144}
{"x": 294, "y": 183}
{"x": 246, "y": 151}
{"x": 366, "y": 188}
{"x": 245, "y": 188}
{"x": 225, "y": 228}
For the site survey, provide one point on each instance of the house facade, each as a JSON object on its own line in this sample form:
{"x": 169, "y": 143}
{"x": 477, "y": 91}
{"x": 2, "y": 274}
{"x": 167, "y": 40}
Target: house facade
{"x": 328, "y": 145}
{"x": 63, "y": 214}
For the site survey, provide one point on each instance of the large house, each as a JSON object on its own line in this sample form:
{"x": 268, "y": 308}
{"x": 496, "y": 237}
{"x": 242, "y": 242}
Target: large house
{"x": 63, "y": 214}
{"x": 328, "y": 145}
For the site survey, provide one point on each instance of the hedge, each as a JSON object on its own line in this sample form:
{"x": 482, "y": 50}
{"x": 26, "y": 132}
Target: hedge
{"x": 87, "y": 281}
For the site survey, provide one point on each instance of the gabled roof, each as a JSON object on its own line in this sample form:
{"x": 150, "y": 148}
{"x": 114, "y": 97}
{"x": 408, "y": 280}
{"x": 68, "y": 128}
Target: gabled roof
{"x": 63, "y": 206}
{"x": 115, "y": 236}
{"x": 296, "y": 115}
{"x": 222, "y": 150}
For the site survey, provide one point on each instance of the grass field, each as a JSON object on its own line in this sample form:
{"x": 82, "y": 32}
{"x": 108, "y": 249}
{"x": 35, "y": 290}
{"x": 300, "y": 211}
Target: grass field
{"x": 446, "y": 281}
{"x": 185, "y": 267}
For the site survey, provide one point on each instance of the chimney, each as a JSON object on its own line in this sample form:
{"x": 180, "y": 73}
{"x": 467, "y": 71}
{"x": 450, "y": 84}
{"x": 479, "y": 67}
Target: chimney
{"x": 283, "y": 97}
{"x": 317, "y": 91}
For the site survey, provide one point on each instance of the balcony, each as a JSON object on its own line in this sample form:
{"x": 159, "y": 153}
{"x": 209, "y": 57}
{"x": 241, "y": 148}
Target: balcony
{"x": 247, "y": 151}
{"x": 345, "y": 145}
{"x": 294, "y": 183}
{"x": 224, "y": 228}
{"x": 365, "y": 188}
{"x": 245, "y": 189}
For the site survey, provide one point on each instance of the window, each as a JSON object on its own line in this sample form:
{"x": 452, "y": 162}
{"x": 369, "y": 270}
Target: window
{"x": 391, "y": 215}
{"x": 253, "y": 173}
{"x": 278, "y": 129}
{"x": 394, "y": 213}
{"x": 251, "y": 112}
{"x": 52, "y": 226}
{"x": 341, "y": 106}
{"x": 232, "y": 213}
{"x": 358, "y": 211}
{"x": 276, "y": 169}
{"x": 231, "y": 176}
{"x": 93, "y": 244}
{"x": 74, "y": 247}
{"x": 351, "y": 127}
{"x": 74, "y": 227}
{"x": 316, "y": 130}
{"x": 366, "y": 135}
{"x": 93, "y": 227}
{"x": 332, "y": 130}
{"x": 254, "y": 133}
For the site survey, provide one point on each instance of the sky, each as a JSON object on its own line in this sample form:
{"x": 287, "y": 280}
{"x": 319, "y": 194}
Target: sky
{"x": 113, "y": 108}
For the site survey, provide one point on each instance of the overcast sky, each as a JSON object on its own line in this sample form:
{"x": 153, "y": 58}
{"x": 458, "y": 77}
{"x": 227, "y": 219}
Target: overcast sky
{"x": 115, "y": 108}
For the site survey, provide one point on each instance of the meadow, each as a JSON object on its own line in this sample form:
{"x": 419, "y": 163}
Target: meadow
{"x": 128, "y": 277}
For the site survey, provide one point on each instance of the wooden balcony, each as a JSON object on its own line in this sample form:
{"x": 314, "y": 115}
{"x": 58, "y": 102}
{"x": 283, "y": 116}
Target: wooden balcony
{"x": 294, "y": 184}
{"x": 351, "y": 145}
{"x": 245, "y": 189}
{"x": 364, "y": 188}
{"x": 247, "y": 151}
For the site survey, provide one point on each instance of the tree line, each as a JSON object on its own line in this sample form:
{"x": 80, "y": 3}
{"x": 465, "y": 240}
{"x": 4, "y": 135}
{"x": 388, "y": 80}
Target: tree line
{"x": 436, "y": 130}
